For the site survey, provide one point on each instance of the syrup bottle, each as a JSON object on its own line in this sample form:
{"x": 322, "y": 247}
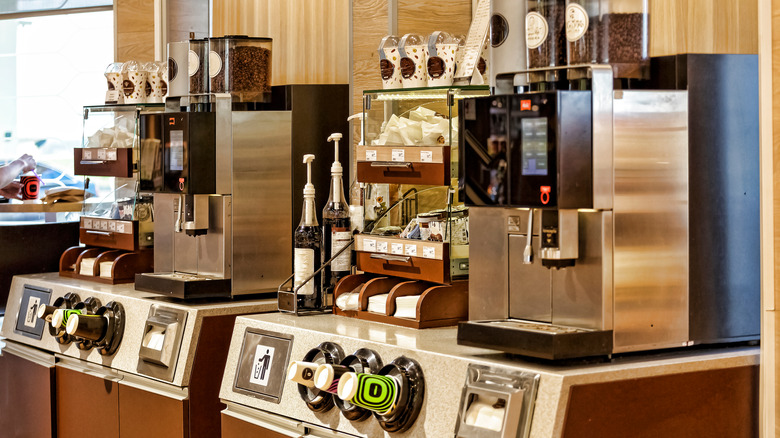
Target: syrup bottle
{"x": 336, "y": 231}
{"x": 308, "y": 248}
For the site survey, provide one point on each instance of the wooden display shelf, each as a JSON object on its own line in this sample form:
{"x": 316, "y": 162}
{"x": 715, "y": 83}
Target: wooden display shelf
{"x": 438, "y": 306}
{"x": 117, "y": 162}
{"x": 422, "y": 165}
{"x": 407, "y": 258}
{"x": 125, "y": 263}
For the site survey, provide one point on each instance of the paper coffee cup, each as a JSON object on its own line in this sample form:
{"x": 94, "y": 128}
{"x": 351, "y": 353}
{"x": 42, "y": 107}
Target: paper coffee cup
{"x": 440, "y": 66}
{"x": 327, "y": 377}
{"x": 413, "y": 72}
{"x": 371, "y": 391}
{"x": 302, "y": 373}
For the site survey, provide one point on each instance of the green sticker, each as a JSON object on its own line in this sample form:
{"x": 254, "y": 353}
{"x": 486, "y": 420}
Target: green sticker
{"x": 67, "y": 313}
{"x": 374, "y": 392}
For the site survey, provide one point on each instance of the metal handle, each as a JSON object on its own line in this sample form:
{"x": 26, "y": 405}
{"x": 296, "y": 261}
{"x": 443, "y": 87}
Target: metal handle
{"x": 528, "y": 252}
{"x": 102, "y": 233}
{"x": 404, "y": 164}
{"x": 92, "y": 162}
{"x": 392, "y": 258}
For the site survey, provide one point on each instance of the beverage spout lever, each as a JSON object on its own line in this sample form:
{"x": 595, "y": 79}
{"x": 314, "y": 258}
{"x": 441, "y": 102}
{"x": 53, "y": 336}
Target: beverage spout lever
{"x": 528, "y": 251}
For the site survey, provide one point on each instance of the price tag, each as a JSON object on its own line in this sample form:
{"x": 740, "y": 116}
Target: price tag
{"x": 426, "y": 156}
{"x": 398, "y": 155}
{"x": 111, "y": 155}
{"x": 370, "y": 155}
{"x": 87, "y": 223}
{"x": 381, "y": 247}
{"x": 112, "y": 226}
{"x": 410, "y": 250}
{"x": 120, "y": 227}
{"x": 369, "y": 245}
{"x": 397, "y": 248}
{"x": 261, "y": 366}
{"x": 429, "y": 252}
{"x": 86, "y": 155}
{"x": 101, "y": 154}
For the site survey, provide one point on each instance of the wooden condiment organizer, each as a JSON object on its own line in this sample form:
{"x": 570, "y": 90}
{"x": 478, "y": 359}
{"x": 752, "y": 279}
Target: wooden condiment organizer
{"x": 117, "y": 162}
{"x": 408, "y": 258}
{"x": 125, "y": 264}
{"x": 423, "y": 165}
{"x": 439, "y": 305}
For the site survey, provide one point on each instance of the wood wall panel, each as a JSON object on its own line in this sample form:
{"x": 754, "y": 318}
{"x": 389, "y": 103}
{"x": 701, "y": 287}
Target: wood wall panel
{"x": 770, "y": 370}
{"x": 369, "y": 24}
{"x": 703, "y": 26}
{"x": 311, "y": 38}
{"x": 134, "y": 30}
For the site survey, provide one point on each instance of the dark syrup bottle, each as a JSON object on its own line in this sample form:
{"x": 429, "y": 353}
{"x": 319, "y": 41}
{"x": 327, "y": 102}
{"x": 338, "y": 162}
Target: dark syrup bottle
{"x": 307, "y": 241}
{"x": 336, "y": 227}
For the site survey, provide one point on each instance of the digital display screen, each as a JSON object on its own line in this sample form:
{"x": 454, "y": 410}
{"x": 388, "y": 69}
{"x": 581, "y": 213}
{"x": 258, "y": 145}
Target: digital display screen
{"x": 534, "y": 146}
{"x": 177, "y": 150}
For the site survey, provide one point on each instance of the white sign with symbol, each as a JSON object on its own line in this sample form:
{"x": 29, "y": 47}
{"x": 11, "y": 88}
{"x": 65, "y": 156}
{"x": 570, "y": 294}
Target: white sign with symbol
{"x": 426, "y": 156}
{"x": 381, "y": 247}
{"x": 86, "y": 155}
{"x": 370, "y": 155}
{"x": 397, "y": 248}
{"x": 429, "y": 252}
{"x": 398, "y": 155}
{"x": 369, "y": 245}
{"x": 101, "y": 154}
{"x": 261, "y": 366}
{"x": 31, "y": 315}
{"x": 411, "y": 250}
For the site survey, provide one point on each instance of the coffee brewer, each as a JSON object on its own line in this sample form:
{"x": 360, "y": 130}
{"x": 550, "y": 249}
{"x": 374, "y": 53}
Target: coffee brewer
{"x": 227, "y": 187}
{"x": 609, "y": 221}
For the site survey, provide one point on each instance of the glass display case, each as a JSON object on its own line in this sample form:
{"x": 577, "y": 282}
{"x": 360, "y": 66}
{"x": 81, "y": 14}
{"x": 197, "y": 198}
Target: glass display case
{"x": 415, "y": 227}
{"x": 116, "y": 224}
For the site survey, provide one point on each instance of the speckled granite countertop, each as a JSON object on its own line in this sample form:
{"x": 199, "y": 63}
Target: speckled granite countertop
{"x": 444, "y": 363}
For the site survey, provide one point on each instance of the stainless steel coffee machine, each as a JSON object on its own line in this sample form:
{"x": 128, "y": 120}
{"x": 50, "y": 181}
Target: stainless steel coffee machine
{"x": 227, "y": 180}
{"x": 609, "y": 220}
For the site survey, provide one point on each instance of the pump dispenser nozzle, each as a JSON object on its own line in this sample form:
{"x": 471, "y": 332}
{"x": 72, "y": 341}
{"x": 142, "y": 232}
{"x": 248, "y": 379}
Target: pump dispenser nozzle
{"x": 308, "y": 189}
{"x": 336, "y": 169}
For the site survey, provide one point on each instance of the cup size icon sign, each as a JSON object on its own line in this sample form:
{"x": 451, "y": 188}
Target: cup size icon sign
{"x": 31, "y": 187}
{"x": 374, "y": 392}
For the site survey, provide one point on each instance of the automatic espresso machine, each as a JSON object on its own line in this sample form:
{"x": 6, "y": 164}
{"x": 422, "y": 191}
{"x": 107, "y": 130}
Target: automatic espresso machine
{"x": 227, "y": 184}
{"x": 628, "y": 220}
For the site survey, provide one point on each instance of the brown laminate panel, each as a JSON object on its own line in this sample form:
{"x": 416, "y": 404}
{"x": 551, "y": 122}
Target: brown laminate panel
{"x": 235, "y": 428}
{"x": 26, "y": 398}
{"x": 709, "y": 403}
{"x": 87, "y": 406}
{"x": 143, "y": 414}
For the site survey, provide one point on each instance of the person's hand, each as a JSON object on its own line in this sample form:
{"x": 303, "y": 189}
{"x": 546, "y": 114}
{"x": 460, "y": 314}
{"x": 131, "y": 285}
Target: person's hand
{"x": 28, "y": 162}
{"x": 12, "y": 191}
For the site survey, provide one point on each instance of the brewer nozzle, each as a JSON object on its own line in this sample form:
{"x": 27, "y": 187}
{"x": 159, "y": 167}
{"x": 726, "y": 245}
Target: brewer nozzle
{"x": 528, "y": 251}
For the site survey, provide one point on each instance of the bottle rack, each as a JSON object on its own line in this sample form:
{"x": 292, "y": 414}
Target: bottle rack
{"x": 439, "y": 305}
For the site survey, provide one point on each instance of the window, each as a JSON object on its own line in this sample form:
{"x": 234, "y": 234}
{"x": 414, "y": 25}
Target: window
{"x": 50, "y": 67}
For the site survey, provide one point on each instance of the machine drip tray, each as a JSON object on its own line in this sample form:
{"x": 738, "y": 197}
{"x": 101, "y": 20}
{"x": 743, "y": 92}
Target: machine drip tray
{"x": 535, "y": 339}
{"x": 184, "y": 286}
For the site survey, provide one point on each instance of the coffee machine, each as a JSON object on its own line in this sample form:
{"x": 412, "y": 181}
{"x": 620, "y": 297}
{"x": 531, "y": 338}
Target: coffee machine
{"x": 609, "y": 220}
{"x": 227, "y": 180}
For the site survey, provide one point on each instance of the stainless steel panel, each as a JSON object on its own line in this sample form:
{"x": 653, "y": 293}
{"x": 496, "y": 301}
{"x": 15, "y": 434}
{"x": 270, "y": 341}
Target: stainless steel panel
{"x": 224, "y": 136}
{"x": 582, "y": 294}
{"x": 602, "y": 137}
{"x": 650, "y": 219}
{"x": 509, "y": 57}
{"x": 262, "y": 200}
{"x": 530, "y": 286}
{"x": 213, "y": 248}
{"x": 488, "y": 270}
{"x": 163, "y": 231}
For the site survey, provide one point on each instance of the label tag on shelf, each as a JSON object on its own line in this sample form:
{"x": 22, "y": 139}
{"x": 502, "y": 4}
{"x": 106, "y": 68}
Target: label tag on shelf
{"x": 397, "y": 248}
{"x": 101, "y": 154}
{"x": 120, "y": 227}
{"x": 111, "y": 155}
{"x": 86, "y": 155}
{"x": 370, "y": 155}
{"x": 112, "y": 226}
{"x": 398, "y": 155}
{"x": 87, "y": 223}
{"x": 429, "y": 252}
{"x": 411, "y": 250}
{"x": 369, "y": 245}
{"x": 381, "y": 247}
{"x": 426, "y": 156}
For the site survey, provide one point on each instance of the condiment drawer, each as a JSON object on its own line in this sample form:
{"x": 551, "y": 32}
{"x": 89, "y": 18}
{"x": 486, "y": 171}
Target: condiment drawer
{"x": 425, "y": 165}
{"x": 406, "y": 258}
{"x": 116, "y": 162}
{"x": 109, "y": 233}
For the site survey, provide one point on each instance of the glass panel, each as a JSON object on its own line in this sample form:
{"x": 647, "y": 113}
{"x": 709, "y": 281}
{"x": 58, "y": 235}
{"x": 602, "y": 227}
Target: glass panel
{"x": 16, "y": 6}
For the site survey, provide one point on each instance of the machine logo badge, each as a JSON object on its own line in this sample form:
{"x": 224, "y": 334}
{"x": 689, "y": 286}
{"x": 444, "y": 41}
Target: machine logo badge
{"x": 261, "y": 366}
{"x": 545, "y": 194}
{"x": 171, "y": 121}
{"x": 525, "y": 105}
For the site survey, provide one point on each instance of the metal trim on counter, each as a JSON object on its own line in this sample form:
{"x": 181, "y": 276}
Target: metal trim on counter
{"x": 155, "y": 387}
{"x": 88, "y": 368}
{"x": 276, "y": 423}
{"x": 31, "y": 354}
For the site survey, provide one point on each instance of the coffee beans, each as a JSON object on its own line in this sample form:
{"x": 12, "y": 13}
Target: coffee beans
{"x": 245, "y": 73}
{"x": 551, "y": 52}
{"x": 617, "y": 39}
